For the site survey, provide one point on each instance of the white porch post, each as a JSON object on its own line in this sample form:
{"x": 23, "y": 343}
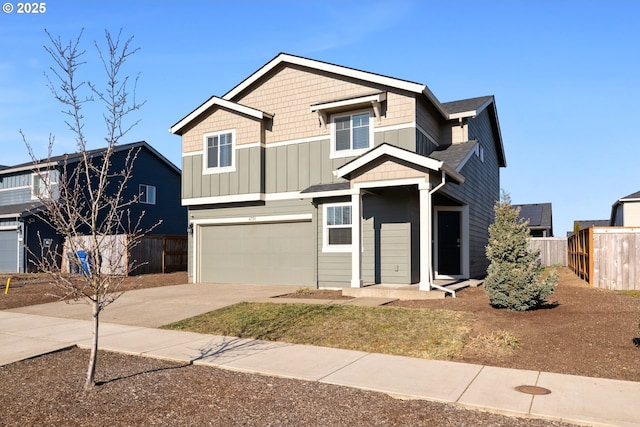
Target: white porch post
{"x": 356, "y": 240}
{"x": 425, "y": 237}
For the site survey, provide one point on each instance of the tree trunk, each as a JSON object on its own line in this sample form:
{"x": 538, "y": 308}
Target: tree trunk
{"x": 91, "y": 370}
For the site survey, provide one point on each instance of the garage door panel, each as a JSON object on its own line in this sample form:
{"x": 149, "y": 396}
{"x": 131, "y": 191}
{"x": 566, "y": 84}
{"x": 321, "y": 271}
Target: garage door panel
{"x": 275, "y": 253}
{"x": 8, "y": 251}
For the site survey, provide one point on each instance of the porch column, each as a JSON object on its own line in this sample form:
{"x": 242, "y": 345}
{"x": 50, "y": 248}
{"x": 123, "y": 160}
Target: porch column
{"x": 356, "y": 240}
{"x": 425, "y": 237}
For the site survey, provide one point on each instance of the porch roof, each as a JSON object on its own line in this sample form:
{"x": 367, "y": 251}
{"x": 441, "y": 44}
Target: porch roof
{"x": 397, "y": 153}
{"x": 20, "y": 210}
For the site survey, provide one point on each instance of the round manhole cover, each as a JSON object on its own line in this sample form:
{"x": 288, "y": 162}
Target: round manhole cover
{"x": 532, "y": 389}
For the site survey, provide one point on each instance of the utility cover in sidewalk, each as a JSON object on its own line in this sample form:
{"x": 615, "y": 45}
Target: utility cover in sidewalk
{"x": 532, "y": 389}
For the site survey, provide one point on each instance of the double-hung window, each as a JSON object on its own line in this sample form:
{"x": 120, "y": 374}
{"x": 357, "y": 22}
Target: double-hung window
{"x": 337, "y": 228}
{"x": 219, "y": 153}
{"x": 351, "y": 134}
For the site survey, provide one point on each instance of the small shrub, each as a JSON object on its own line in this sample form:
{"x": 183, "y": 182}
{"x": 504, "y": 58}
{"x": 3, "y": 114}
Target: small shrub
{"x": 514, "y": 278}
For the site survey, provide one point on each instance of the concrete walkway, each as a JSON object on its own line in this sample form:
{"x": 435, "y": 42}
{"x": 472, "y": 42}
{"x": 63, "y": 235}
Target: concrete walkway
{"x": 31, "y": 331}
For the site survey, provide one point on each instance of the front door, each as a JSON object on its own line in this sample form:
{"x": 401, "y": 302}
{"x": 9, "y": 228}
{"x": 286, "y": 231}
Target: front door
{"x": 449, "y": 254}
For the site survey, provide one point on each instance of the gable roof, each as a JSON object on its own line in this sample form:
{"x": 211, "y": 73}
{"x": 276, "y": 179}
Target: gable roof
{"x": 449, "y": 111}
{"x": 392, "y": 151}
{"x": 74, "y": 157}
{"x": 213, "y": 101}
{"x": 538, "y": 215}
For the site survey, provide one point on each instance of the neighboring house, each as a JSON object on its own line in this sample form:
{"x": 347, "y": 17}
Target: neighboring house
{"x": 540, "y": 218}
{"x": 625, "y": 212}
{"x": 22, "y": 229}
{"x": 314, "y": 174}
{"x": 581, "y": 224}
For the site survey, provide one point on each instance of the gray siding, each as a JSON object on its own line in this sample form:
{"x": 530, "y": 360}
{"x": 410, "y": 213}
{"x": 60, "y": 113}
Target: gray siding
{"x": 480, "y": 191}
{"x": 387, "y": 230}
{"x": 334, "y": 268}
{"x": 16, "y": 189}
{"x": 280, "y": 169}
{"x": 247, "y": 177}
{"x": 403, "y": 138}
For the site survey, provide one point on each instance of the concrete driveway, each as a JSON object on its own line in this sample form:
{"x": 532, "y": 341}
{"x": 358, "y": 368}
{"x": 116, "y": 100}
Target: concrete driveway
{"x": 154, "y": 307}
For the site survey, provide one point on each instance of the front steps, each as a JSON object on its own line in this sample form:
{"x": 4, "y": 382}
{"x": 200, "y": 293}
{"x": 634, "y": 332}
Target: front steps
{"x": 411, "y": 292}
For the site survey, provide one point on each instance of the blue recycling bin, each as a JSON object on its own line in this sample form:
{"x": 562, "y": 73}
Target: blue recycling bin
{"x": 84, "y": 262}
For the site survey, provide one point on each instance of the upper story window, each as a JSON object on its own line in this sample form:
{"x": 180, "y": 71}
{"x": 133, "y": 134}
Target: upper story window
{"x": 337, "y": 227}
{"x": 42, "y": 185}
{"x": 219, "y": 152}
{"x": 147, "y": 194}
{"x": 352, "y": 134}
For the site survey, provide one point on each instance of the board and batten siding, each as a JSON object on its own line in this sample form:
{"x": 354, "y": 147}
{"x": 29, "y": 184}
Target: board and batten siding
{"x": 246, "y": 179}
{"x": 480, "y": 191}
{"x": 282, "y": 168}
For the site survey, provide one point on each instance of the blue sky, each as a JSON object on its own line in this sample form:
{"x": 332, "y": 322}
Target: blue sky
{"x": 565, "y": 74}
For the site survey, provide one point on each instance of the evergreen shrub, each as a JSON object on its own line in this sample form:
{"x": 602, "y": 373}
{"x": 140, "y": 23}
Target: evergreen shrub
{"x": 514, "y": 278}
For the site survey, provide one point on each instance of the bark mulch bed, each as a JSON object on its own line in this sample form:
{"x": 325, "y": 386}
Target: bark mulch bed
{"x": 135, "y": 391}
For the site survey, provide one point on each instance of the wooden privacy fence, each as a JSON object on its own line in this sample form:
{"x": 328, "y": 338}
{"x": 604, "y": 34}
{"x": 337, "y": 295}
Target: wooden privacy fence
{"x": 553, "y": 250}
{"x": 607, "y": 257}
{"x": 153, "y": 254}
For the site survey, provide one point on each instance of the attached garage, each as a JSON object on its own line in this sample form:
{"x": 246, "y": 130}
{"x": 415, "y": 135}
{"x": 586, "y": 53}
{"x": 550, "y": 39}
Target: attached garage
{"x": 9, "y": 250}
{"x": 266, "y": 253}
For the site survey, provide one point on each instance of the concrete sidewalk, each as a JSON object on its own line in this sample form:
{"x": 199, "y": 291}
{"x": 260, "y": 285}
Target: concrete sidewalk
{"x": 581, "y": 400}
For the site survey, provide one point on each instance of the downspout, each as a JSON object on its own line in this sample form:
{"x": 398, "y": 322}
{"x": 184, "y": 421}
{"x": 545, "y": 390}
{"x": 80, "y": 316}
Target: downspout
{"x": 430, "y": 234}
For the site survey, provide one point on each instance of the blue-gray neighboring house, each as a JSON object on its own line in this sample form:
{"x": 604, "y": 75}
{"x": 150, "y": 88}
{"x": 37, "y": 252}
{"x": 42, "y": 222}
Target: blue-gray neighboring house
{"x": 155, "y": 180}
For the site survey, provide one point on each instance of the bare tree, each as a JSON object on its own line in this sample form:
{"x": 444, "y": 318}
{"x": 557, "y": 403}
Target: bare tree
{"x": 85, "y": 200}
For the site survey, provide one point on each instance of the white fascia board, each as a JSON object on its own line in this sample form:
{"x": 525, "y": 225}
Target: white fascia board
{"x": 330, "y": 68}
{"x": 31, "y": 167}
{"x": 378, "y": 97}
{"x": 9, "y": 227}
{"x": 214, "y": 100}
{"x": 629, "y": 200}
{"x": 392, "y": 151}
{"x": 324, "y": 194}
{"x": 471, "y": 113}
{"x": 195, "y": 201}
{"x": 253, "y": 219}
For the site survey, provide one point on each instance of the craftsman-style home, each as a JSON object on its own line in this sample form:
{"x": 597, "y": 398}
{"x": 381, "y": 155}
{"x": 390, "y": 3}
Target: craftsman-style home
{"x": 314, "y": 174}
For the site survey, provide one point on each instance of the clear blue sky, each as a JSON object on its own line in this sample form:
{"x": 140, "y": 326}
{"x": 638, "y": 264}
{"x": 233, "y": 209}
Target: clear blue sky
{"x": 565, "y": 74}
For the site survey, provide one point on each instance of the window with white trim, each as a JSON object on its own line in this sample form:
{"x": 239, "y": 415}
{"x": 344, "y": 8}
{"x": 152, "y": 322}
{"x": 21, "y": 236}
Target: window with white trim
{"x": 219, "y": 152}
{"x": 42, "y": 185}
{"x": 337, "y": 227}
{"x": 352, "y": 134}
{"x": 147, "y": 194}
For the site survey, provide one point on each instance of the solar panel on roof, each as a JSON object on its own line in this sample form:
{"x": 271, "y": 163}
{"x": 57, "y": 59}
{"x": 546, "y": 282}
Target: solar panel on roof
{"x": 532, "y": 213}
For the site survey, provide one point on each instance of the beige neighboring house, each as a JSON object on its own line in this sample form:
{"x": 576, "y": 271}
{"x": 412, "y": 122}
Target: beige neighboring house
{"x": 625, "y": 212}
{"x": 315, "y": 174}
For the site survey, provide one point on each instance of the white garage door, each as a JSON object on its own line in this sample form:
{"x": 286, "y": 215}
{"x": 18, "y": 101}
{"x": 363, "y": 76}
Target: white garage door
{"x": 8, "y": 251}
{"x": 268, "y": 253}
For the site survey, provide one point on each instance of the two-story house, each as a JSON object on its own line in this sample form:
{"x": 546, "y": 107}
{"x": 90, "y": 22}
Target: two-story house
{"x": 315, "y": 174}
{"x": 23, "y": 228}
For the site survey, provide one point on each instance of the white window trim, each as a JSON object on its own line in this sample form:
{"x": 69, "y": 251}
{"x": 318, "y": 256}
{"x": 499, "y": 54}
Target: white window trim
{"x": 155, "y": 193}
{"x": 335, "y": 154}
{"x": 49, "y": 184}
{"x": 326, "y": 247}
{"x": 205, "y": 155}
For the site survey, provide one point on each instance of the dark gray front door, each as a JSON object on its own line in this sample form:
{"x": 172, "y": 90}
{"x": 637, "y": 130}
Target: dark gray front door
{"x": 449, "y": 243}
